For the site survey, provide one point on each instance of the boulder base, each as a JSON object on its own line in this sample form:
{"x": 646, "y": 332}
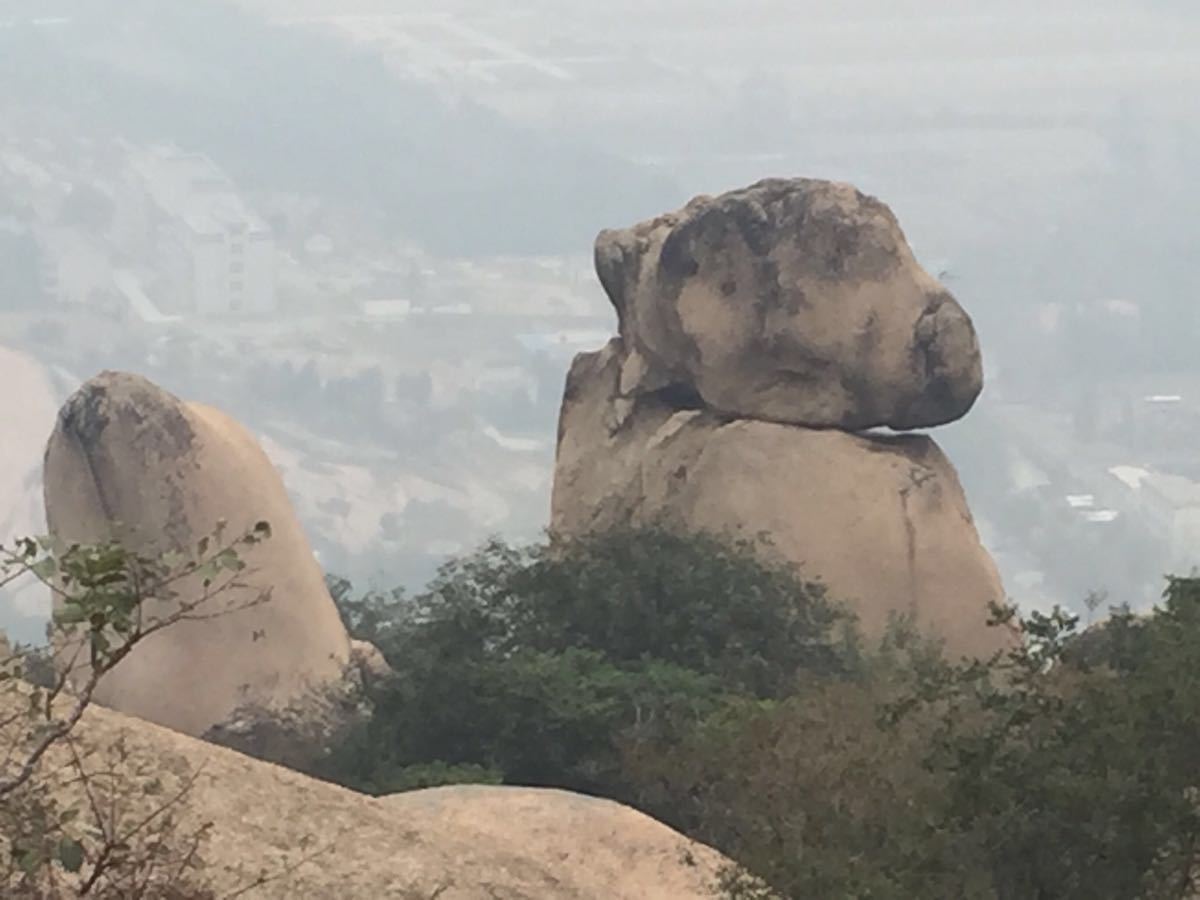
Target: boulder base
{"x": 880, "y": 520}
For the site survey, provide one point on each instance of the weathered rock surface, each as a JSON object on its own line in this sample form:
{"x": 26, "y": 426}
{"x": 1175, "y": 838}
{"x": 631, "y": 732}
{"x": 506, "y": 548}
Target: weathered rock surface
{"x": 792, "y": 301}
{"x": 458, "y": 843}
{"x": 129, "y": 460}
{"x": 881, "y": 520}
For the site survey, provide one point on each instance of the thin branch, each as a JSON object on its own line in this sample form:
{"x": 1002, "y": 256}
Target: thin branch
{"x": 58, "y": 730}
{"x": 106, "y": 851}
{"x": 292, "y": 868}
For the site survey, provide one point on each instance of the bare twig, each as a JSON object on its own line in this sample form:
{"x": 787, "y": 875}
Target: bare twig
{"x": 108, "y": 618}
{"x": 57, "y": 730}
{"x": 287, "y": 871}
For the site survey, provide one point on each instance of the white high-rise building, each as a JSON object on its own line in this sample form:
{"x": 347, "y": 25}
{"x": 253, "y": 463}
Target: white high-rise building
{"x": 218, "y": 254}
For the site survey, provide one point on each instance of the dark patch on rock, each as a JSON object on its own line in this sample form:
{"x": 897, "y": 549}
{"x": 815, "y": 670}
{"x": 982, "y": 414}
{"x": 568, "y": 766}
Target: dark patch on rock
{"x": 868, "y": 338}
{"x": 84, "y": 416}
{"x": 767, "y": 290}
{"x": 676, "y": 260}
{"x": 926, "y": 355}
{"x": 753, "y": 224}
{"x": 865, "y": 398}
{"x": 155, "y": 417}
{"x": 679, "y": 397}
{"x": 916, "y": 448}
{"x": 175, "y": 432}
{"x": 939, "y": 393}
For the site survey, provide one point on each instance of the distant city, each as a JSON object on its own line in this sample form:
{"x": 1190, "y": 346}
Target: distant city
{"x": 388, "y": 283}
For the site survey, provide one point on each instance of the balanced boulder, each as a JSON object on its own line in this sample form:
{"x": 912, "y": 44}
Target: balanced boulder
{"x": 794, "y": 301}
{"x": 129, "y": 461}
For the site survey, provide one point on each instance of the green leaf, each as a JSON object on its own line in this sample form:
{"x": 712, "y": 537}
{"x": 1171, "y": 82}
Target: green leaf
{"x": 228, "y": 559}
{"x": 50, "y": 543}
{"x": 29, "y": 861}
{"x": 208, "y": 572}
{"x": 173, "y": 559}
{"x": 70, "y": 854}
{"x": 45, "y": 568}
{"x": 69, "y": 615}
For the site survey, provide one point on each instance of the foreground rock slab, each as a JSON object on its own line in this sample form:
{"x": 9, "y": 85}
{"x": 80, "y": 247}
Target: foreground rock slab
{"x": 457, "y": 843}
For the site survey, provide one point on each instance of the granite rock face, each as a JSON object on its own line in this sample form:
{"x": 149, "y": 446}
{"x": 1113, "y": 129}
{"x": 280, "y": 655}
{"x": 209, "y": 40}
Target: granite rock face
{"x": 794, "y": 301}
{"x": 761, "y": 334}
{"x": 131, "y": 461}
{"x": 881, "y": 520}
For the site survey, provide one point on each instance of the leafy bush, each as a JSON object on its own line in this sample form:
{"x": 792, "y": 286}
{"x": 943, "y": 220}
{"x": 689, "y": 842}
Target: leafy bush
{"x": 1077, "y": 777}
{"x": 1063, "y": 769}
{"x": 542, "y": 663}
{"x": 728, "y": 697}
{"x": 70, "y": 819}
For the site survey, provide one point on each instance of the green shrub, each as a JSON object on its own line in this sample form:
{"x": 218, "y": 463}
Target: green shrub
{"x": 543, "y": 663}
{"x": 1062, "y": 770}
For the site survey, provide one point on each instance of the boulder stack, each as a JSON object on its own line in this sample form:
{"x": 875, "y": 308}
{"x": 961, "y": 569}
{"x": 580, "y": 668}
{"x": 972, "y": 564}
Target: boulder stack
{"x": 129, "y": 461}
{"x": 762, "y": 334}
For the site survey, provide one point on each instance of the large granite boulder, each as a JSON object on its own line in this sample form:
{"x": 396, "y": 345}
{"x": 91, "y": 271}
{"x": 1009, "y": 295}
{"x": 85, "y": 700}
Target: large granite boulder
{"x": 880, "y": 520}
{"x": 792, "y": 301}
{"x": 128, "y": 460}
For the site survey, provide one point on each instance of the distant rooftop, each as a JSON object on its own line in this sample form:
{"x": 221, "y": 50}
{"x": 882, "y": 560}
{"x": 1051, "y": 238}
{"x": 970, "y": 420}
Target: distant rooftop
{"x": 386, "y": 309}
{"x": 1176, "y": 490}
{"x": 1132, "y": 476}
{"x": 194, "y": 189}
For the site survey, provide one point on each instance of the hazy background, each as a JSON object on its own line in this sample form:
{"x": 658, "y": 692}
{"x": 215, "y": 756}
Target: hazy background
{"x": 412, "y": 189}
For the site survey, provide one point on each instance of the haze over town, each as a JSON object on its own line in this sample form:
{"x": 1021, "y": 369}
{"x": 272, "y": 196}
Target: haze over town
{"x": 364, "y": 229}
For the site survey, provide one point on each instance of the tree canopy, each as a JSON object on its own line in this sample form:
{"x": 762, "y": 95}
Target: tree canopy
{"x": 722, "y": 693}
